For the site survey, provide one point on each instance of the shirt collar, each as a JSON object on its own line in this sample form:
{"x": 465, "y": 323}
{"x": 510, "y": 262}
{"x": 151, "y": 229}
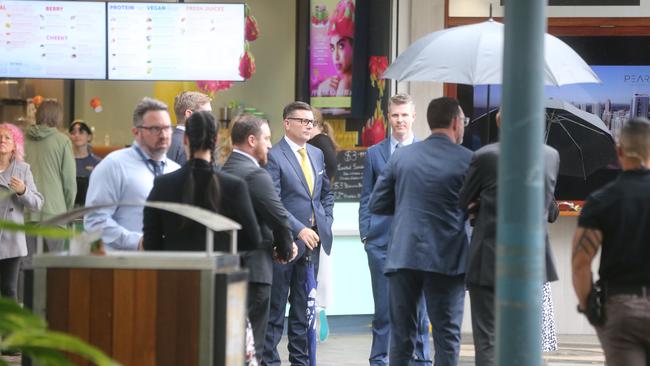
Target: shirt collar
{"x": 294, "y": 147}
{"x": 246, "y": 155}
{"x": 181, "y": 127}
{"x": 408, "y": 141}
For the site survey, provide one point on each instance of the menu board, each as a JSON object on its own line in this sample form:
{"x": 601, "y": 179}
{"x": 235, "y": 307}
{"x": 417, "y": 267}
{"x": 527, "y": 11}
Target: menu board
{"x": 183, "y": 41}
{"x": 53, "y": 39}
{"x": 349, "y": 177}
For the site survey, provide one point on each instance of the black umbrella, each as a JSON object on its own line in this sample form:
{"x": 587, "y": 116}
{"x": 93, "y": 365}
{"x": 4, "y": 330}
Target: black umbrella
{"x": 584, "y": 142}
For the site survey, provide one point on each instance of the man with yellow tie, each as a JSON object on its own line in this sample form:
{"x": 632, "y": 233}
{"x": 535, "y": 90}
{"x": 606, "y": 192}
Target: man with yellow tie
{"x": 298, "y": 172}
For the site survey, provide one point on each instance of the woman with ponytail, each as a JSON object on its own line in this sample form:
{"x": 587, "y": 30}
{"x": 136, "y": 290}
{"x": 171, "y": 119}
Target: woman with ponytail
{"x": 197, "y": 183}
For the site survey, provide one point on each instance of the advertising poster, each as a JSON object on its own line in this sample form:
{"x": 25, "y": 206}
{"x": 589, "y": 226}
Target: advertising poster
{"x": 331, "y": 55}
{"x": 623, "y": 94}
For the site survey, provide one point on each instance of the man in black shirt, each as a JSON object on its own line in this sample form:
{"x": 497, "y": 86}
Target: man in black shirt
{"x": 617, "y": 217}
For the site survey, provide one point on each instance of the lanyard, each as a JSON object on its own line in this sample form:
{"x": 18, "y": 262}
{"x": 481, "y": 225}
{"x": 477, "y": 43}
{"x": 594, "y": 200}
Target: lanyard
{"x": 150, "y": 163}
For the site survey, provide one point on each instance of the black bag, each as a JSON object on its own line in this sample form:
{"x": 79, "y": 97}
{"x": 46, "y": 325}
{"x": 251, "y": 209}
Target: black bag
{"x": 595, "y": 311}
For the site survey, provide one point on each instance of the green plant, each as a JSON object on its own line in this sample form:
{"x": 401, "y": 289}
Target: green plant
{"x": 25, "y": 332}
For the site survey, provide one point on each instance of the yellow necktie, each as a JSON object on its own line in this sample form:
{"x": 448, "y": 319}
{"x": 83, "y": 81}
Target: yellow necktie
{"x": 306, "y": 170}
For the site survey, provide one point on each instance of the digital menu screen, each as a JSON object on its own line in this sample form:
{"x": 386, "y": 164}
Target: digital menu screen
{"x": 53, "y": 39}
{"x": 182, "y": 41}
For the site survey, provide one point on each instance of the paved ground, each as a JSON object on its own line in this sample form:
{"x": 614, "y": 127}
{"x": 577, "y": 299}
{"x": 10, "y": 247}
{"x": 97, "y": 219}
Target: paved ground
{"x": 350, "y": 338}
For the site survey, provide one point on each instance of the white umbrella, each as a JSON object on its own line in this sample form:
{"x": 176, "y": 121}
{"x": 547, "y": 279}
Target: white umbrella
{"x": 473, "y": 55}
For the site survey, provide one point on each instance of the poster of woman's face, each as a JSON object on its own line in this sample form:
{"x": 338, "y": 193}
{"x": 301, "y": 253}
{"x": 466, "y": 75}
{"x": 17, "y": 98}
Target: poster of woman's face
{"x": 331, "y": 55}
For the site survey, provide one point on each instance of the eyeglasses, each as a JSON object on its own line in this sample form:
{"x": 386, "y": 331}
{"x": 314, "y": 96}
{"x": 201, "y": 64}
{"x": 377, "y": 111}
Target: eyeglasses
{"x": 466, "y": 121}
{"x": 304, "y": 121}
{"x": 156, "y": 130}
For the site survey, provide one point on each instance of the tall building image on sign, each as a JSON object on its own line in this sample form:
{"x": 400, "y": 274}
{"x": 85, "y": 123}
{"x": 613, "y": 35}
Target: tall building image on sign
{"x": 640, "y": 103}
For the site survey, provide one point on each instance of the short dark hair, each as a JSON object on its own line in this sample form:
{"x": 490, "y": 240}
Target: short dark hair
{"x": 634, "y": 139}
{"x": 442, "y": 111}
{"x": 146, "y": 105}
{"x": 295, "y": 106}
{"x": 245, "y": 125}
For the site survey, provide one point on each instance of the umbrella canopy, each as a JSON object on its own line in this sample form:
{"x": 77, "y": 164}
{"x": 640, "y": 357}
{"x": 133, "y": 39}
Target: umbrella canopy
{"x": 473, "y": 55}
{"x": 584, "y": 142}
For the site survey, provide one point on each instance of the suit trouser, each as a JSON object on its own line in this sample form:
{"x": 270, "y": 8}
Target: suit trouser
{"x": 625, "y": 336}
{"x": 381, "y": 320}
{"x": 482, "y": 305}
{"x": 289, "y": 281}
{"x": 445, "y": 298}
{"x": 259, "y": 302}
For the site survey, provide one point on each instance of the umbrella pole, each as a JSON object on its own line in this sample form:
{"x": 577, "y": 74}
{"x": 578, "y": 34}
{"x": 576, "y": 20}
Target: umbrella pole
{"x": 520, "y": 229}
{"x": 487, "y": 109}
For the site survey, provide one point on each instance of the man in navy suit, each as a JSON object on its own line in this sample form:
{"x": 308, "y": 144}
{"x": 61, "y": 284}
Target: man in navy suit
{"x": 298, "y": 172}
{"x": 428, "y": 247}
{"x": 185, "y": 104}
{"x": 375, "y": 229}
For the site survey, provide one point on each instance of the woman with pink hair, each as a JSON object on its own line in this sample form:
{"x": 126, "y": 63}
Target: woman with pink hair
{"x": 18, "y": 193}
{"x": 341, "y": 39}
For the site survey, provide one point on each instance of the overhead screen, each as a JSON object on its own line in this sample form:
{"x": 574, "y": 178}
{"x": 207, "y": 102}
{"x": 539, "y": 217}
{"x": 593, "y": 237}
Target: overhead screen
{"x": 53, "y": 39}
{"x": 163, "y": 41}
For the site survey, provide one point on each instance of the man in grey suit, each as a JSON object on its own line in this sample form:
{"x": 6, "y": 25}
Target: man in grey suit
{"x": 185, "y": 104}
{"x": 375, "y": 230}
{"x": 479, "y": 193}
{"x": 428, "y": 247}
{"x": 298, "y": 171}
{"x": 251, "y": 140}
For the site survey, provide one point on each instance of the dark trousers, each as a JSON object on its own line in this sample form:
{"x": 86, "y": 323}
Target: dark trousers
{"x": 259, "y": 301}
{"x": 482, "y": 305}
{"x": 49, "y": 245}
{"x": 289, "y": 281}
{"x": 445, "y": 297}
{"x": 9, "y": 277}
{"x": 381, "y": 320}
{"x": 625, "y": 337}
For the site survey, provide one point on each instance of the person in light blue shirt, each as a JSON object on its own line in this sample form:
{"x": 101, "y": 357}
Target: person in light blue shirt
{"x": 127, "y": 176}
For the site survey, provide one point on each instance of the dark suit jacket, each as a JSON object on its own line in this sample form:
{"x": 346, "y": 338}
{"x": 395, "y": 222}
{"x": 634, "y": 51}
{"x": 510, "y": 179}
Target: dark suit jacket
{"x": 374, "y": 229}
{"x": 420, "y": 186}
{"x": 325, "y": 144}
{"x": 272, "y": 217}
{"x": 176, "y": 151}
{"x": 481, "y": 184}
{"x": 167, "y": 231}
{"x": 291, "y": 185}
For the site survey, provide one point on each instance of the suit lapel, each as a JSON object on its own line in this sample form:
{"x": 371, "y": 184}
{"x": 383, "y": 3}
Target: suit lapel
{"x": 293, "y": 161}
{"x": 384, "y": 149}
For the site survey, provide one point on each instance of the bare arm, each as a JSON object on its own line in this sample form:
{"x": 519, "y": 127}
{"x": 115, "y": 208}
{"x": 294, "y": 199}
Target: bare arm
{"x": 586, "y": 243}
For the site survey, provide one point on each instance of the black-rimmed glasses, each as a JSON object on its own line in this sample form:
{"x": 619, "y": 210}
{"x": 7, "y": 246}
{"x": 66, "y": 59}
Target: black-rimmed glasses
{"x": 156, "y": 130}
{"x": 304, "y": 121}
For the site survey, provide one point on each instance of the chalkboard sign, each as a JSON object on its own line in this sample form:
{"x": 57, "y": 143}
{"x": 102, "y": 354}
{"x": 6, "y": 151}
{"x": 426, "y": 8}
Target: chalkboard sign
{"x": 349, "y": 177}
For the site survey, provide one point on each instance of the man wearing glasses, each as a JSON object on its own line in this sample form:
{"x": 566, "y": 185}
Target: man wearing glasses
{"x": 127, "y": 176}
{"x": 298, "y": 172}
{"x": 428, "y": 248}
